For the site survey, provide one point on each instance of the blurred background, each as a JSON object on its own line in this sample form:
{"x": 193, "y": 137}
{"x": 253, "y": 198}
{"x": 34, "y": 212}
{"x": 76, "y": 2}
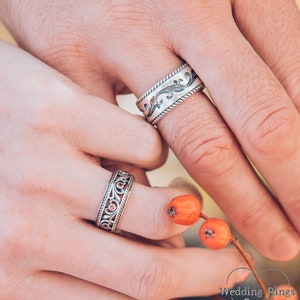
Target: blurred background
{"x": 172, "y": 170}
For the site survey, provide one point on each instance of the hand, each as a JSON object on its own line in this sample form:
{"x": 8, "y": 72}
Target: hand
{"x": 246, "y": 52}
{"x": 51, "y": 182}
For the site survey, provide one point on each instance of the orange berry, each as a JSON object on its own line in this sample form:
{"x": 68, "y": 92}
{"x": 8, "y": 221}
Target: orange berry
{"x": 215, "y": 233}
{"x": 283, "y": 292}
{"x": 184, "y": 210}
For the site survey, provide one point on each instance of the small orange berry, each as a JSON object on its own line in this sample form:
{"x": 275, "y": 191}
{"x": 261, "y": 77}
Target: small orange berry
{"x": 215, "y": 233}
{"x": 283, "y": 292}
{"x": 184, "y": 210}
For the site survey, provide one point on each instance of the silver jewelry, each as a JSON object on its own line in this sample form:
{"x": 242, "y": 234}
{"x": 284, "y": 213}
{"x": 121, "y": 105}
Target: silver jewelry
{"x": 168, "y": 93}
{"x": 114, "y": 200}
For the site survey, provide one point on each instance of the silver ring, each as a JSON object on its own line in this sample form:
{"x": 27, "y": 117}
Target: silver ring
{"x": 114, "y": 200}
{"x": 168, "y": 93}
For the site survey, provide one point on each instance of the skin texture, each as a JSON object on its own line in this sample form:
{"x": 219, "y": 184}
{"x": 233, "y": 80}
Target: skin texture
{"x": 250, "y": 64}
{"x": 52, "y": 135}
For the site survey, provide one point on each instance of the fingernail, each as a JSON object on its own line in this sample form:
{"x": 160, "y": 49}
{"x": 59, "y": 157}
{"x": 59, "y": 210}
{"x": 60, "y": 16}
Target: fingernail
{"x": 285, "y": 246}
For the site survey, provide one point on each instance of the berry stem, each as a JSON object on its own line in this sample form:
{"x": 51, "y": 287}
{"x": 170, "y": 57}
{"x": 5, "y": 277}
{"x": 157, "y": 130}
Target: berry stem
{"x": 247, "y": 259}
{"x": 251, "y": 265}
{"x": 203, "y": 216}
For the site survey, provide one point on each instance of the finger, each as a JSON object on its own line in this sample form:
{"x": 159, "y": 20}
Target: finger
{"x": 151, "y": 272}
{"x": 275, "y": 35}
{"x": 280, "y": 51}
{"x": 223, "y": 171}
{"x": 277, "y": 41}
{"x": 141, "y": 177}
{"x": 264, "y": 120}
{"x": 81, "y": 192}
{"x": 54, "y": 285}
{"x": 90, "y": 120}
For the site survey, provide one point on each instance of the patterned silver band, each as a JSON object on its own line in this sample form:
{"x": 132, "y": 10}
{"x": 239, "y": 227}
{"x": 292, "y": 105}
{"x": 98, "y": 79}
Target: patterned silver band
{"x": 114, "y": 200}
{"x": 168, "y": 93}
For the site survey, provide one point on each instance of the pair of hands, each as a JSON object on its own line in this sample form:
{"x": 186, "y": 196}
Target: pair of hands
{"x": 246, "y": 54}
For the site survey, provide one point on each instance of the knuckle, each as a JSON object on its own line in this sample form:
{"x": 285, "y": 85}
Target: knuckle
{"x": 204, "y": 142}
{"x": 210, "y": 150}
{"x": 47, "y": 112}
{"x": 268, "y": 129}
{"x": 29, "y": 241}
{"x": 15, "y": 241}
{"x": 22, "y": 237}
{"x": 26, "y": 179}
{"x": 48, "y": 116}
{"x": 155, "y": 280}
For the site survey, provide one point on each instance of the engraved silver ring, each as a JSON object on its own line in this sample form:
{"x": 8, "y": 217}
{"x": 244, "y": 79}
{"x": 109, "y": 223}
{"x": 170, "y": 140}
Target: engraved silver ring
{"x": 114, "y": 200}
{"x": 166, "y": 94}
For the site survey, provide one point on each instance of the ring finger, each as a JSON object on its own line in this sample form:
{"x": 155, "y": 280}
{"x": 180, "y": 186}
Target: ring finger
{"x": 145, "y": 210}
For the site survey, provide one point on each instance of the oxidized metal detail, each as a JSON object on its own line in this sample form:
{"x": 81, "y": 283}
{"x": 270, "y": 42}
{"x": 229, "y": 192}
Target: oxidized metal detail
{"x": 114, "y": 200}
{"x": 168, "y": 93}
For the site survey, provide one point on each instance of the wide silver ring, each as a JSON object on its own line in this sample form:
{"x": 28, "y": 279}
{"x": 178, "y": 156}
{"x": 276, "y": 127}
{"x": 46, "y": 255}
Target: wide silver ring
{"x": 166, "y": 94}
{"x": 114, "y": 200}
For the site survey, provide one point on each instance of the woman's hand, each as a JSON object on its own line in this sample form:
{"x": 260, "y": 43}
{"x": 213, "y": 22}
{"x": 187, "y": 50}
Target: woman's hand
{"x": 247, "y": 54}
{"x": 51, "y": 183}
